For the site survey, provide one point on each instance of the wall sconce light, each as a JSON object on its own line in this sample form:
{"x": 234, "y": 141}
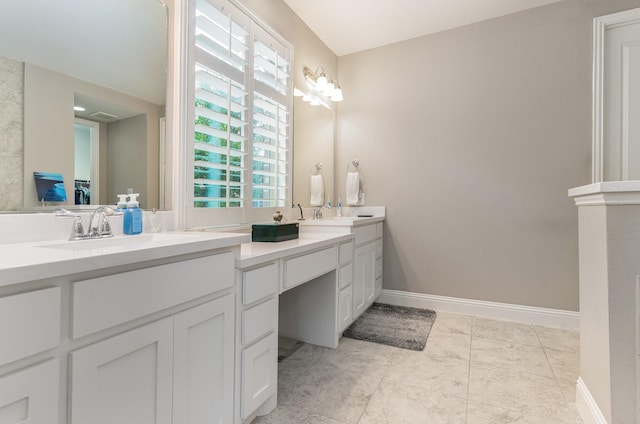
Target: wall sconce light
{"x": 322, "y": 84}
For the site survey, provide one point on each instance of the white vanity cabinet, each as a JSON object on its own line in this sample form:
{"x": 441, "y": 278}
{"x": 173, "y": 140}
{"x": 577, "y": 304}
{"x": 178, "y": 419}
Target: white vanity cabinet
{"x": 367, "y": 262}
{"x": 257, "y": 340}
{"x": 177, "y": 369}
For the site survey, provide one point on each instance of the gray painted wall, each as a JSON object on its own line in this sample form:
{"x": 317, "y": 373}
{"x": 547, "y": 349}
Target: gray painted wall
{"x": 471, "y": 138}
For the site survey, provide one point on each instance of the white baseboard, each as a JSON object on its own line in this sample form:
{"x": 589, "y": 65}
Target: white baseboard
{"x": 587, "y": 406}
{"x": 519, "y": 313}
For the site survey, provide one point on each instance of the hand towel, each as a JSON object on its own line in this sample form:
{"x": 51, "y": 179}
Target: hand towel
{"x": 353, "y": 188}
{"x": 317, "y": 190}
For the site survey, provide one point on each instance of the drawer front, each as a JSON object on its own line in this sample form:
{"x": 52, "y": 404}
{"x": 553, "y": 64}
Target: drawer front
{"x": 259, "y": 283}
{"x": 31, "y": 395}
{"x": 365, "y": 234}
{"x": 259, "y": 374}
{"x": 29, "y": 323}
{"x": 304, "y": 268}
{"x": 346, "y": 252}
{"x": 346, "y": 275}
{"x": 104, "y": 302}
{"x": 345, "y": 306}
{"x": 259, "y": 320}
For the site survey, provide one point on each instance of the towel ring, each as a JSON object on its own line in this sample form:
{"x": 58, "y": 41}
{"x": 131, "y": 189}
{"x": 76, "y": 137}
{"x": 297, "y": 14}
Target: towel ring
{"x": 354, "y": 166}
{"x": 316, "y": 169}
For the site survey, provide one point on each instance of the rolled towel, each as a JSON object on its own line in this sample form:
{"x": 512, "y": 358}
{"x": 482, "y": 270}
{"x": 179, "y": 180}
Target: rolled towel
{"x": 353, "y": 188}
{"x": 317, "y": 190}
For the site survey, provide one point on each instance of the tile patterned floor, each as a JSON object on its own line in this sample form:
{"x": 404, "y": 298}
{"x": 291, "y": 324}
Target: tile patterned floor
{"x": 473, "y": 371}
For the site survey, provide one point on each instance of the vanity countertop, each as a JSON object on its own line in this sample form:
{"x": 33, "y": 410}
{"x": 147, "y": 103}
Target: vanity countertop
{"x": 22, "y": 262}
{"x": 256, "y": 253}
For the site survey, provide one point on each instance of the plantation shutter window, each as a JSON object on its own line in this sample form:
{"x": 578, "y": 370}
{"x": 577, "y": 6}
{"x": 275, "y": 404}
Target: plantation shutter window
{"x": 241, "y": 100}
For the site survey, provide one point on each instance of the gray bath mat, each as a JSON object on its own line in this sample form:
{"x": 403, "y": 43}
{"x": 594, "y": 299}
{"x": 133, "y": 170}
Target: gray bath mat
{"x": 398, "y": 326}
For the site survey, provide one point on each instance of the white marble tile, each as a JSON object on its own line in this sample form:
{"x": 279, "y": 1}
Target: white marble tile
{"x": 289, "y": 414}
{"x": 505, "y": 330}
{"x": 565, "y": 364}
{"x": 478, "y": 413}
{"x": 399, "y": 403}
{"x": 517, "y": 356}
{"x": 360, "y": 356}
{"x": 451, "y": 323}
{"x": 559, "y": 339}
{"x": 449, "y": 345}
{"x": 512, "y": 389}
{"x": 334, "y": 392}
{"x": 439, "y": 374}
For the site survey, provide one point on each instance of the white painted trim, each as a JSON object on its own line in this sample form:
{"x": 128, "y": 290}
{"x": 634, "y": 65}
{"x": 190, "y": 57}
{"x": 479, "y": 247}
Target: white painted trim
{"x": 503, "y": 311}
{"x": 600, "y": 26}
{"x": 587, "y": 406}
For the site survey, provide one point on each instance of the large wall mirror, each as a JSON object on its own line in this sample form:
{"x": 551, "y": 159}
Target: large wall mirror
{"x": 314, "y": 133}
{"x": 107, "y": 57}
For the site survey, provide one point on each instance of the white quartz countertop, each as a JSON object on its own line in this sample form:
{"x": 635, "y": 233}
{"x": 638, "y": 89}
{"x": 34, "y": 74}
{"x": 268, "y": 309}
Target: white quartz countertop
{"x": 256, "y": 253}
{"x": 342, "y": 221}
{"x": 22, "y": 262}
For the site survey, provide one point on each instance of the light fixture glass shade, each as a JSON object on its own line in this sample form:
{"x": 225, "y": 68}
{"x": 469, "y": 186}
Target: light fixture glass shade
{"x": 337, "y": 95}
{"x": 297, "y": 92}
{"x": 321, "y": 83}
{"x": 314, "y": 102}
{"x": 328, "y": 90}
{"x": 306, "y": 98}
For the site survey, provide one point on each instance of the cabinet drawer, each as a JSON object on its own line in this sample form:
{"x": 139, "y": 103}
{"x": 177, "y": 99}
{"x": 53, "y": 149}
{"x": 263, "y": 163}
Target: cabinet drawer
{"x": 259, "y": 283}
{"x": 259, "y": 320}
{"x": 304, "y": 268}
{"x": 31, "y": 395}
{"x": 344, "y": 309}
{"x": 104, "y": 302}
{"x": 346, "y": 252}
{"x": 346, "y": 275}
{"x": 365, "y": 234}
{"x": 29, "y": 323}
{"x": 259, "y": 374}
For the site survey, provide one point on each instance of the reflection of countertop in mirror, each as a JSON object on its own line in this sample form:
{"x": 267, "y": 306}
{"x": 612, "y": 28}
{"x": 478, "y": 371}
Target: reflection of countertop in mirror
{"x": 30, "y": 261}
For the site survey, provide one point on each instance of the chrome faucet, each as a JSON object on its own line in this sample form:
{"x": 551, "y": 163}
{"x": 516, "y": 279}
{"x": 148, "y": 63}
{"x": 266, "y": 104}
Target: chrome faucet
{"x": 317, "y": 212}
{"x": 99, "y": 226}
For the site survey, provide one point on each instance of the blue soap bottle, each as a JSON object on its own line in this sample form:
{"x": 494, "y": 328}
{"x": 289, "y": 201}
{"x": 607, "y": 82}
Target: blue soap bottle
{"x": 133, "y": 216}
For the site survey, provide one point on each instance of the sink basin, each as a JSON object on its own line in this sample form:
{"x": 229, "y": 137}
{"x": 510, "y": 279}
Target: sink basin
{"x": 137, "y": 241}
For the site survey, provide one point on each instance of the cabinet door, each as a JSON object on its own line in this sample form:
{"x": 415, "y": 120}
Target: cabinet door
{"x": 31, "y": 395}
{"x": 345, "y": 306}
{"x": 363, "y": 278}
{"x": 259, "y": 374}
{"x": 126, "y": 379}
{"x": 203, "y": 358}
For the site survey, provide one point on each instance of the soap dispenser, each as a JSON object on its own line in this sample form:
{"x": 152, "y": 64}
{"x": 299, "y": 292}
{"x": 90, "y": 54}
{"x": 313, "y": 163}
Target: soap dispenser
{"x": 133, "y": 216}
{"x": 122, "y": 202}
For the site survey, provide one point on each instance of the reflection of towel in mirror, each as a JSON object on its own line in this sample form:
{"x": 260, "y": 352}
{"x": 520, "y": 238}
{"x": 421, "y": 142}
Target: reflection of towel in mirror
{"x": 353, "y": 187}
{"x": 317, "y": 190}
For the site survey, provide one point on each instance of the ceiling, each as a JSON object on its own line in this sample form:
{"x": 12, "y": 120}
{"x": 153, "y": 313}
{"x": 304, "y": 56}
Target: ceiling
{"x": 350, "y": 26}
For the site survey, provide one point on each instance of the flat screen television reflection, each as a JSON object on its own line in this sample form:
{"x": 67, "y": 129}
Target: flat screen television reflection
{"x": 50, "y": 187}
